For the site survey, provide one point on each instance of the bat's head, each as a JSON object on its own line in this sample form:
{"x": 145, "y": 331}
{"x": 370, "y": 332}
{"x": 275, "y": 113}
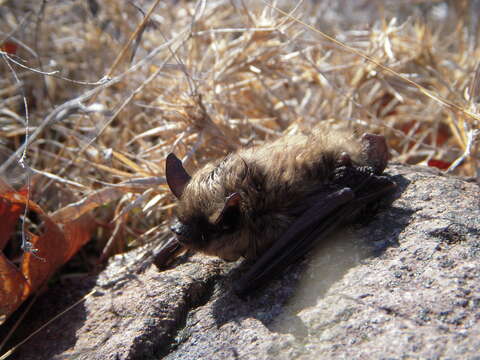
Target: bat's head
{"x": 209, "y": 215}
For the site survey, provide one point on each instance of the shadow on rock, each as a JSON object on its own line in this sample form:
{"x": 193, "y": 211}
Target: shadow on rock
{"x": 47, "y": 306}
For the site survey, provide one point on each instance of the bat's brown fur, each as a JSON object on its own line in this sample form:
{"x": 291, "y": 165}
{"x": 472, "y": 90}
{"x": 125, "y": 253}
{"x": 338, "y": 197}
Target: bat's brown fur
{"x": 275, "y": 183}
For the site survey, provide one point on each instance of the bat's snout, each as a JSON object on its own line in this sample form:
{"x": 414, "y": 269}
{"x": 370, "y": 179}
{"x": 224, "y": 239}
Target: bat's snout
{"x": 182, "y": 232}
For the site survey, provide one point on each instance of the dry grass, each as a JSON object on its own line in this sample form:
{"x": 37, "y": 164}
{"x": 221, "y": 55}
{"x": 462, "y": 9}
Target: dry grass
{"x": 202, "y": 79}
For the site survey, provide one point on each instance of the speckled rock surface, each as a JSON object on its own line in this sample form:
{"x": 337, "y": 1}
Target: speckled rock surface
{"x": 404, "y": 282}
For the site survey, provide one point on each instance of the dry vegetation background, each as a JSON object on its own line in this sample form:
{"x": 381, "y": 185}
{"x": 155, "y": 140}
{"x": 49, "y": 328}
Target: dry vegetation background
{"x": 102, "y": 91}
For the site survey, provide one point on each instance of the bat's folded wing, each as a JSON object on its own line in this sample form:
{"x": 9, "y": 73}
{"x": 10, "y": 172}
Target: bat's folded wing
{"x": 328, "y": 212}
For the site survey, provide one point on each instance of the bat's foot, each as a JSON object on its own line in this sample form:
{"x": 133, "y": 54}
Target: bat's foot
{"x": 351, "y": 176}
{"x": 167, "y": 253}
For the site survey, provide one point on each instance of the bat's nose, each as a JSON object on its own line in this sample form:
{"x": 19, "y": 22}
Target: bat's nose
{"x": 176, "y": 228}
{"x": 182, "y": 232}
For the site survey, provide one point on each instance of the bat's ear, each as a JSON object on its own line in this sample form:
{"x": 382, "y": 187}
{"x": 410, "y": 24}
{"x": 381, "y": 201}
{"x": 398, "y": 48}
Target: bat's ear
{"x": 229, "y": 213}
{"x": 177, "y": 177}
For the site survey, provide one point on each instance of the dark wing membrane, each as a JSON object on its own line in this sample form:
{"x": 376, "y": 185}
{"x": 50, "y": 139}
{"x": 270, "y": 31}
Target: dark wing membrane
{"x": 329, "y": 211}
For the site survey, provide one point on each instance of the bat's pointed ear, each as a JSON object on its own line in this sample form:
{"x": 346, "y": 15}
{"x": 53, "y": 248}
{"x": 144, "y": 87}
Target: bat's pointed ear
{"x": 231, "y": 207}
{"x": 177, "y": 177}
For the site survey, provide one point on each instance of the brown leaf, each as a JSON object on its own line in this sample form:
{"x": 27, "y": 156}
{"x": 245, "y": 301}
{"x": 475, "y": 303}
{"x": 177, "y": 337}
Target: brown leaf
{"x": 440, "y": 164}
{"x": 9, "y": 213}
{"x": 13, "y": 287}
{"x": 78, "y": 233}
{"x": 51, "y": 249}
{"x": 54, "y": 246}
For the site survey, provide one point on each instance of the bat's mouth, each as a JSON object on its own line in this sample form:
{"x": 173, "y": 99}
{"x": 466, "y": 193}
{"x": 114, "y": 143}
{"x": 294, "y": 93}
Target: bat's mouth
{"x": 182, "y": 240}
{"x": 185, "y": 241}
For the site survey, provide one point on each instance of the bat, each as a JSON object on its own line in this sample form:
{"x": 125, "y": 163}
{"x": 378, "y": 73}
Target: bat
{"x": 272, "y": 203}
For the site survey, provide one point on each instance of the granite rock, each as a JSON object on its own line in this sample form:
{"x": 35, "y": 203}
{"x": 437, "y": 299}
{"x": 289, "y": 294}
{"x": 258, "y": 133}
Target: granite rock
{"x": 402, "y": 282}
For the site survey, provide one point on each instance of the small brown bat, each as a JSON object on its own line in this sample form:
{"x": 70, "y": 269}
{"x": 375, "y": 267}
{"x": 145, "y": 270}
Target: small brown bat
{"x": 272, "y": 203}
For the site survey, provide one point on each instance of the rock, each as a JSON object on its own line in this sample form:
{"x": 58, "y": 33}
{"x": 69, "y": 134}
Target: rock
{"x": 401, "y": 283}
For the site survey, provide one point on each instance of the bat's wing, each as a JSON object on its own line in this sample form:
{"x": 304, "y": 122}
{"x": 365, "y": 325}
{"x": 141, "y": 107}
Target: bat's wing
{"x": 330, "y": 211}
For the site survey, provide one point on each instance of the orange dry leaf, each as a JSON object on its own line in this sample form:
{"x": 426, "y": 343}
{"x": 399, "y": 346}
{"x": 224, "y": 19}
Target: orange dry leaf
{"x": 78, "y": 232}
{"x": 12, "y": 287}
{"x": 49, "y": 255}
{"x": 9, "y": 213}
{"x": 54, "y": 246}
{"x": 440, "y": 164}
{"x": 9, "y": 47}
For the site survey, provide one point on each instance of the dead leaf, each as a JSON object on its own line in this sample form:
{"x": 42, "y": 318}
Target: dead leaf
{"x": 55, "y": 244}
{"x": 9, "y": 213}
{"x": 13, "y": 287}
